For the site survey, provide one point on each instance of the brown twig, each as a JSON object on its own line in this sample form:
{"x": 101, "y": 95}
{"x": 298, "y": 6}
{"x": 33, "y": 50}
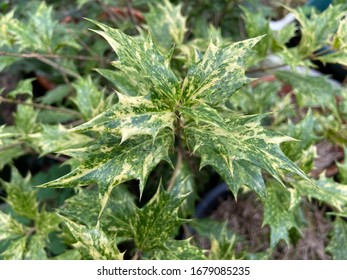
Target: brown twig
{"x": 40, "y": 106}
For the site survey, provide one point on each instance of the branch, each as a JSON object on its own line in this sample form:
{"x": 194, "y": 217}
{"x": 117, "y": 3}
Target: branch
{"x": 40, "y": 106}
{"x": 48, "y": 55}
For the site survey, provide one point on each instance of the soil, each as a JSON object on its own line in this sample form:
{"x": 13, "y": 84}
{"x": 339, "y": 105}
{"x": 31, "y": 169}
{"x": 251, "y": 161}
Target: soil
{"x": 245, "y": 218}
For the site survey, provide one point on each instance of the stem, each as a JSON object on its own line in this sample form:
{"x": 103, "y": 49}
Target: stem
{"x": 262, "y": 69}
{"x": 179, "y": 153}
{"x": 58, "y": 67}
{"x": 40, "y": 106}
{"x": 13, "y": 145}
{"x": 49, "y": 55}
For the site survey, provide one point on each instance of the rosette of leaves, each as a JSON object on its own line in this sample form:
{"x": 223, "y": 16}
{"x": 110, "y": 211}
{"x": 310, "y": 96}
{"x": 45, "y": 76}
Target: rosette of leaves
{"x": 160, "y": 116}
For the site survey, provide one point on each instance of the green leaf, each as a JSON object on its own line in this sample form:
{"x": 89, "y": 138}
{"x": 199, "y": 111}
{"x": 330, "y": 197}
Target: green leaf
{"x": 257, "y": 24}
{"x": 337, "y": 245}
{"x": 16, "y": 250}
{"x": 8, "y": 153}
{"x": 328, "y": 191}
{"x": 25, "y": 118}
{"x": 36, "y": 33}
{"x": 56, "y": 95}
{"x": 239, "y": 149}
{"x": 146, "y": 63}
{"x": 23, "y": 87}
{"x": 56, "y": 138}
{"x": 335, "y": 57}
{"x": 131, "y": 116}
{"x": 153, "y": 224}
{"x": 342, "y": 167}
{"x": 109, "y": 164}
{"x": 47, "y": 222}
{"x": 20, "y": 195}
{"x": 316, "y": 29}
{"x": 93, "y": 243}
{"x": 302, "y": 131}
{"x": 172, "y": 27}
{"x": 35, "y": 248}
{"x": 277, "y": 213}
{"x": 311, "y": 91}
{"x": 126, "y": 84}
{"x": 10, "y": 228}
{"x": 223, "y": 247}
{"x": 6, "y": 61}
{"x": 89, "y": 100}
{"x": 176, "y": 250}
{"x": 218, "y": 74}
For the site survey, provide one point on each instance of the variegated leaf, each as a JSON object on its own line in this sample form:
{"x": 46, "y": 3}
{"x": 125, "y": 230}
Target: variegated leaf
{"x": 176, "y": 250}
{"x": 218, "y": 74}
{"x": 317, "y": 28}
{"x": 277, "y": 213}
{"x": 93, "y": 243}
{"x": 54, "y": 138}
{"x": 89, "y": 99}
{"x": 129, "y": 117}
{"x": 21, "y": 195}
{"x": 154, "y": 224}
{"x": 172, "y": 23}
{"x": 337, "y": 245}
{"x": 328, "y": 191}
{"x": 108, "y": 164}
{"x": 10, "y": 228}
{"x": 35, "y": 249}
{"x": 239, "y": 149}
{"x": 311, "y": 91}
{"x": 16, "y": 250}
{"x": 143, "y": 60}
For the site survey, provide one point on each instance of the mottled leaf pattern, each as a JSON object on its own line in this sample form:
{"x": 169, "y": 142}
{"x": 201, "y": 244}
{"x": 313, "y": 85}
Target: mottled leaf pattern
{"x": 277, "y": 214}
{"x": 143, "y": 60}
{"x": 328, "y": 191}
{"x": 131, "y": 116}
{"x": 172, "y": 27}
{"x": 176, "y": 250}
{"x": 238, "y": 151}
{"x": 107, "y": 163}
{"x": 93, "y": 243}
{"x": 21, "y": 196}
{"x": 337, "y": 245}
{"x": 218, "y": 74}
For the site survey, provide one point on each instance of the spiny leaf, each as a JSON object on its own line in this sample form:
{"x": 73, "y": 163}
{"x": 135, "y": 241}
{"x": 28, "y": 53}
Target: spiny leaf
{"x": 337, "y": 245}
{"x": 316, "y": 29}
{"x": 10, "y": 228}
{"x": 153, "y": 224}
{"x": 89, "y": 100}
{"x": 16, "y": 250}
{"x": 218, "y": 74}
{"x": 311, "y": 91}
{"x": 277, "y": 214}
{"x": 328, "y": 191}
{"x": 131, "y": 116}
{"x": 20, "y": 195}
{"x": 23, "y": 87}
{"x": 107, "y": 163}
{"x": 55, "y": 138}
{"x": 36, "y": 248}
{"x": 176, "y": 250}
{"x": 172, "y": 23}
{"x": 239, "y": 149}
{"x": 25, "y": 118}
{"x": 93, "y": 243}
{"x": 124, "y": 83}
{"x": 143, "y": 60}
